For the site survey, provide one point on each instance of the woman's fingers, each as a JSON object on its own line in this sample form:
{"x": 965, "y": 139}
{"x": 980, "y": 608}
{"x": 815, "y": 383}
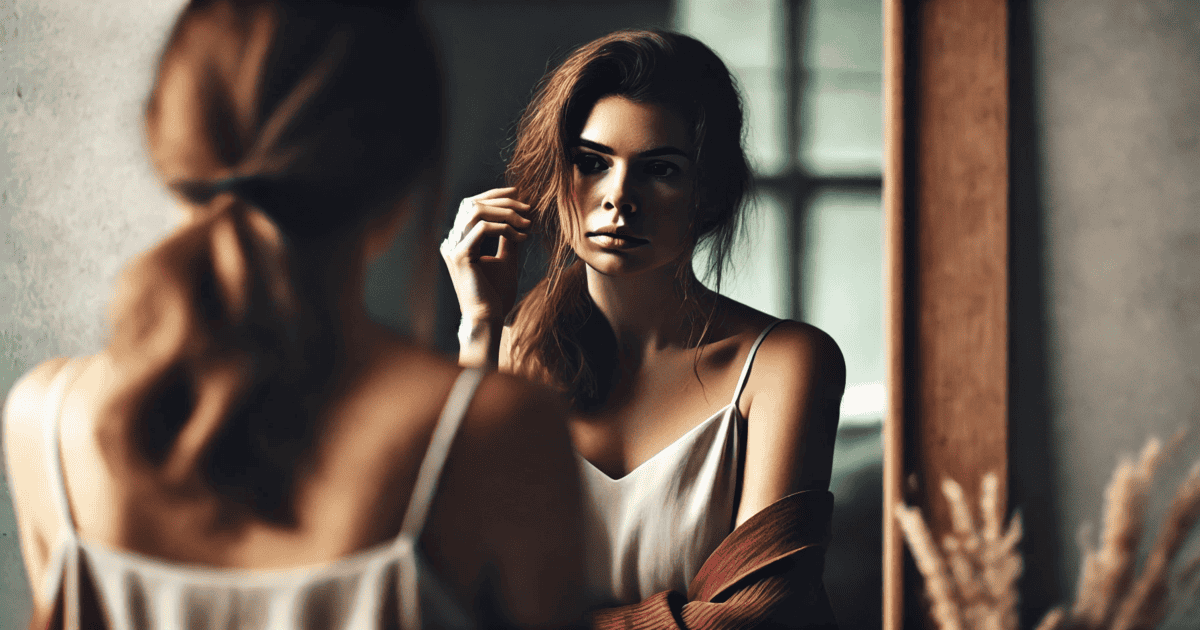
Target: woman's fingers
{"x": 502, "y": 210}
{"x": 495, "y": 193}
{"x": 480, "y": 252}
{"x": 498, "y": 214}
{"x": 503, "y": 202}
{"x": 470, "y": 245}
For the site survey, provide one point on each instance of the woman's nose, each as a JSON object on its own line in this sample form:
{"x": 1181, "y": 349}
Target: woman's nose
{"x": 621, "y": 194}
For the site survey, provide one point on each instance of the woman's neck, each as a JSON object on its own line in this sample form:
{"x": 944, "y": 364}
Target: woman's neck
{"x": 649, "y": 312}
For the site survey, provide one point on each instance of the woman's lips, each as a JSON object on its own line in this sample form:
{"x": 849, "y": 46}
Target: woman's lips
{"x": 609, "y": 240}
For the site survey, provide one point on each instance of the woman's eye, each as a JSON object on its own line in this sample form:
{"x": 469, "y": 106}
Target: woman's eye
{"x": 588, "y": 163}
{"x": 661, "y": 169}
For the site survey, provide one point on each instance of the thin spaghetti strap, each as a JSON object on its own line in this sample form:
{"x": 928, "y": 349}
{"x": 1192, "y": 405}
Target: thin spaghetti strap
{"x": 439, "y": 447}
{"x": 737, "y": 392}
{"x": 50, "y": 432}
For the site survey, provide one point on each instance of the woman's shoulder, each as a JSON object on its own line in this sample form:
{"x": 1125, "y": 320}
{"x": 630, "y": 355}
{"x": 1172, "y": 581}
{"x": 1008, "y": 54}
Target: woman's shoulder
{"x": 501, "y": 404}
{"x": 509, "y": 399}
{"x": 793, "y": 354}
{"x": 26, "y": 402}
{"x": 787, "y": 336}
{"x": 25, "y": 410}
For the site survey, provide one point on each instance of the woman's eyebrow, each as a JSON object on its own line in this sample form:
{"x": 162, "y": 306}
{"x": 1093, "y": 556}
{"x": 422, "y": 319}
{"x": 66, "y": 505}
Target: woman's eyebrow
{"x": 600, "y": 148}
{"x": 595, "y": 146}
{"x": 664, "y": 151}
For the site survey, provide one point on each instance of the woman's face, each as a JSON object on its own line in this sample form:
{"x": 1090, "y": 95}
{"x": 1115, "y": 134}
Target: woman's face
{"x": 632, "y": 185}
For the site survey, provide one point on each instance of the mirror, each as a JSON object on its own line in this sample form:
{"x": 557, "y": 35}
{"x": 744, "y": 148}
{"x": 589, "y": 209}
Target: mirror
{"x": 811, "y": 75}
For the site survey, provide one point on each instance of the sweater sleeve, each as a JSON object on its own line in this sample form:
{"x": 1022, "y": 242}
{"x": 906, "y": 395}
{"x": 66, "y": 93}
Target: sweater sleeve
{"x": 766, "y": 574}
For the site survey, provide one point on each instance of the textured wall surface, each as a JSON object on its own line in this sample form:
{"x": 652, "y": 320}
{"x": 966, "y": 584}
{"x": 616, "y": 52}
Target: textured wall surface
{"x": 77, "y": 197}
{"x": 1106, "y": 261}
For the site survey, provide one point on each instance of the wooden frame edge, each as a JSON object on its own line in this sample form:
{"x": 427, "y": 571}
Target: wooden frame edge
{"x": 893, "y": 325}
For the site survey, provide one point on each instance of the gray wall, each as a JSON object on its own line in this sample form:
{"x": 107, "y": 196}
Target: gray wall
{"x": 77, "y": 198}
{"x": 1106, "y": 261}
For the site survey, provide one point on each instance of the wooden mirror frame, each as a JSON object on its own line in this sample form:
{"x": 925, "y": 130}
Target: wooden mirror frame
{"x": 946, "y": 226}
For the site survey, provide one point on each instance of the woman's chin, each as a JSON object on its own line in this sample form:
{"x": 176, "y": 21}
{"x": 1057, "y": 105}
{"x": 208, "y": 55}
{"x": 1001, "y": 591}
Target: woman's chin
{"x": 615, "y": 265}
{"x": 625, "y": 264}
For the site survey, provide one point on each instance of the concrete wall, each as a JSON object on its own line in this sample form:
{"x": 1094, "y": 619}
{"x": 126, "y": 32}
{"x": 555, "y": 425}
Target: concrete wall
{"x": 77, "y": 197}
{"x": 1106, "y": 261}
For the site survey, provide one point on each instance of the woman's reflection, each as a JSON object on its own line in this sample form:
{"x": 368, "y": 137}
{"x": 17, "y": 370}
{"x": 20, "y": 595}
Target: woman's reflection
{"x": 692, "y": 414}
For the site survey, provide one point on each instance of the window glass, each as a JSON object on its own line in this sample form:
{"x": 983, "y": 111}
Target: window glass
{"x": 838, "y": 150}
{"x": 841, "y": 106}
{"x": 757, "y": 271}
{"x": 843, "y": 290}
{"x": 748, "y": 35}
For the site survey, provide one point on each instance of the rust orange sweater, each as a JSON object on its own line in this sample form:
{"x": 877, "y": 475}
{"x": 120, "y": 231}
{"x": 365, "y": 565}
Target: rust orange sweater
{"x": 766, "y": 574}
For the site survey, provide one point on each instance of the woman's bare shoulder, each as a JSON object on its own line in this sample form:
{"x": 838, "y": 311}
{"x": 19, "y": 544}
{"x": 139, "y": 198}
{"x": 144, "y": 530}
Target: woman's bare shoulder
{"x": 24, "y": 411}
{"x": 503, "y": 407}
{"x": 26, "y": 402}
{"x": 794, "y": 355}
{"x": 790, "y": 337}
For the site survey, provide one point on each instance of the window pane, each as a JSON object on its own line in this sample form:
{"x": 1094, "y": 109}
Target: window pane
{"x": 843, "y": 289}
{"x": 841, "y": 110}
{"x": 844, "y": 35}
{"x": 764, "y": 103}
{"x": 841, "y": 123}
{"x": 745, "y": 33}
{"x": 748, "y": 36}
{"x": 757, "y": 273}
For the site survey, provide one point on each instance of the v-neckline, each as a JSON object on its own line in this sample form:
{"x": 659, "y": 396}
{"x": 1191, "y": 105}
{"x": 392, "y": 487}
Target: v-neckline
{"x": 720, "y": 413}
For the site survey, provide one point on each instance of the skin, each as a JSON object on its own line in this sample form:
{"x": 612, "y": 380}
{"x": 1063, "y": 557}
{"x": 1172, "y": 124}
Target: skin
{"x": 366, "y": 465}
{"x": 633, "y": 176}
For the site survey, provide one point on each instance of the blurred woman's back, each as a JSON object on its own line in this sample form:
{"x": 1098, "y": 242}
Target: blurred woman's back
{"x": 250, "y": 446}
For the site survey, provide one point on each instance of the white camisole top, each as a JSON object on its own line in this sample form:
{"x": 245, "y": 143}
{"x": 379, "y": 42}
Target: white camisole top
{"x": 142, "y": 592}
{"x": 651, "y": 530}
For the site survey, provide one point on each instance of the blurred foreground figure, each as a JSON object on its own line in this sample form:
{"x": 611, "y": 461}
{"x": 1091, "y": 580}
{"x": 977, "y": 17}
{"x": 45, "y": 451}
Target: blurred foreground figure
{"x": 250, "y": 450}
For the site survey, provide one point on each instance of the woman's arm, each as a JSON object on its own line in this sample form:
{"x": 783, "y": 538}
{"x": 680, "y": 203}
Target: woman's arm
{"x": 766, "y": 574}
{"x": 28, "y": 483}
{"x": 791, "y": 404}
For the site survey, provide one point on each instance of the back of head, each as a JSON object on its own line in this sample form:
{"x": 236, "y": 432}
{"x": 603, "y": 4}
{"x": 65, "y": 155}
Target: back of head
{"x": 648, "y": 66}
{"x": 289, "y": 126}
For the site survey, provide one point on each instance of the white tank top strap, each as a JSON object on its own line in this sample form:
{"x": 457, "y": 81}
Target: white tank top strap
{"x": 50, "y": 432}
{"x": 737, "y": 392}
{"x": 435, "y": 457}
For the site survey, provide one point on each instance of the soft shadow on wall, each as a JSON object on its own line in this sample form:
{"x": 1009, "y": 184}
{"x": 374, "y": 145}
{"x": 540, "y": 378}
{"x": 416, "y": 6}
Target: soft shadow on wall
{"x": 1030, "y": 443}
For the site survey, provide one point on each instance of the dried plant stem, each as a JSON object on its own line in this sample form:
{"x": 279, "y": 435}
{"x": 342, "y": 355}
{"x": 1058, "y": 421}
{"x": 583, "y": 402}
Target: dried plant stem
{"x": 1108, "y": 571}
{"x": 974, "y": 585}
{"x": 1146, "y": 604}
{"x": 929, "y": 562}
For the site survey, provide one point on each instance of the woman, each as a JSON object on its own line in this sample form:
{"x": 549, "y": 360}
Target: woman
{"x": 250, "y": 449}
{"x": 628, "y": 158}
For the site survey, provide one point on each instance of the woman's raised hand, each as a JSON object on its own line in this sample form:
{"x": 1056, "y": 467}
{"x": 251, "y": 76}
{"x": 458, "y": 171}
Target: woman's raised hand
{"x": 486, "y": 284}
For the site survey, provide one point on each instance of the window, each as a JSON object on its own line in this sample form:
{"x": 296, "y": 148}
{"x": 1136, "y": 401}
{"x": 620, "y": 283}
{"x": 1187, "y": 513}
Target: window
{"x": 811, "y": 76}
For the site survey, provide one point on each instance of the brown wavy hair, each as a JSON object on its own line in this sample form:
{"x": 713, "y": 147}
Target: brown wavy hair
{"x": 291, "y": 126}
{"x": 558, "y": 337}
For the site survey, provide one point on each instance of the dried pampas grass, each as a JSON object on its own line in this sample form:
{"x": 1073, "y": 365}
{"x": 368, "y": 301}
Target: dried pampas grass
{"x": 972, "y": 582}
{"x": 973, "y": 587}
